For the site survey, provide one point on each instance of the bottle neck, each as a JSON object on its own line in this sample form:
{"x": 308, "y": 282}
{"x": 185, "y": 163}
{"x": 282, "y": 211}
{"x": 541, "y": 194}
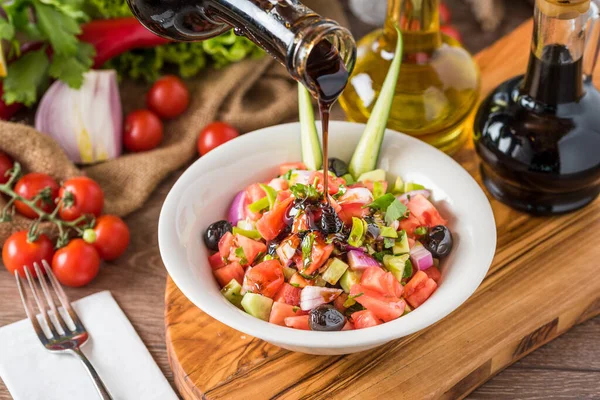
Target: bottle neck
{"x": 555, "y": 72}
{"x": 419, "y": 21}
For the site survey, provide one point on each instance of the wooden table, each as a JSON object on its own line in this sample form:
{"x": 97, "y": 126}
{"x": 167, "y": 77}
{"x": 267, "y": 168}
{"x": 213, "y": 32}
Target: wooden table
{"x": 568, "y": 367}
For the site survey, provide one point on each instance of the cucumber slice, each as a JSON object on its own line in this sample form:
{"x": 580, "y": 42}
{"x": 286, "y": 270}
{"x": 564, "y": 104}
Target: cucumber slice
{"x": 373, "y": 176}
{"x": 367, "y": 152}
{"x": 410, "y": 186}
{"x": 312, "y": 155}
{"x": 257, "y": 305}
{"x": 233, "y": 292}
{"x": 396, "y": 265}
{"x": 349, "y": 279}
{"x": 388, "y": 232}
{"x": 319, "y": 281}
{"x": 401, "y": 246}
{"x": 334, "y": 271}
{"x": 288, "y": 273}
{"x": 398, "y": 186}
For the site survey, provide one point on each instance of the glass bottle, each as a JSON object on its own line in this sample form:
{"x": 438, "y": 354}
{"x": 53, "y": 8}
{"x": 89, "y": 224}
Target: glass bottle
{"x": 538, "y": 135}
{"x": 439, "y": 81}
{"x": 289, "y": 31}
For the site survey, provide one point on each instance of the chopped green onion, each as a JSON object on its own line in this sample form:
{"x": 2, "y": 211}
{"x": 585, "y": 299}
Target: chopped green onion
{"x": 259, "y": 205}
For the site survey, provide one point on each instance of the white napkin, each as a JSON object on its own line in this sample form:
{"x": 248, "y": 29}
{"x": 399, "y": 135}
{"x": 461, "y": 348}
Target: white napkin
{"x": 126, "y": 367}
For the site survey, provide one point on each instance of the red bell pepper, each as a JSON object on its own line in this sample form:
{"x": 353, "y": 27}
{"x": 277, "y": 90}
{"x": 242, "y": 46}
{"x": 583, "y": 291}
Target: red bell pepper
{"x": 110, "y": 38}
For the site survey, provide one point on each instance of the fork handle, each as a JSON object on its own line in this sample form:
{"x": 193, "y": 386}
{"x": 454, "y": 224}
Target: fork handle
{"x": 102, "y": 390}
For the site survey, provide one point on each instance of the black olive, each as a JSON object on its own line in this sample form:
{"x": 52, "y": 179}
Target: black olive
{"x": 326, "y": 318}
{"x": 330, "y": 222}
{"x": 338, "y": 167}
{"x": 439, "y": 241}
{"x": 272, "y": 248}
{"x": 215, "y": 232}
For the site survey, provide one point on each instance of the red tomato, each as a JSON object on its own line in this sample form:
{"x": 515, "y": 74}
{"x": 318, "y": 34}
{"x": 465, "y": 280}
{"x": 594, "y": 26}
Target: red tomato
{"x": 227, "y": 273}
{"x": 319, "y": 254}
{"x": 385, "y": 307}
{"x": 433, "y": 273}
{"x": 168, "y": 97}
{"x": 364, "y": 319}
{"x": 284, "y": 168}
{"x": 348, "y": 326}
{"x": 30, "y": 186}
{"x": 266, "y": 278}
{"x": 300, "y": 322}
{"x": 225, "y": 244}
{"x": 88, "y": 198}
{"x": 451, "y": 31}
{"x": 288, "y": 294}
{"x": 279, "y": 184}
{"x": 333, "y": 184}
{"x": 419, "y": 289}
{"x": 272, "y": 222}
{"x": 251, "y": 248}
{"x": 409, "y": 224}
{"x": 143, "y": 131}
{"x": 299, "y": 280}
{"x": 352, "y": 210}
{"x": 112, "y": 237}
{"x": 339, "y": 301}
{"x": 254, "y": 193}
{"x": 215, "y": 134}
{"x": 6, "y": 164}
{"x": 377, "y": 279}
{"x": 281, "y": 311}
{"x": 424, "y": 211}
{"x": 287, "y": 249}
{"x": 300, "y": 223}
{"x": 283, "y": 195}
{"x": 216, "y": 261}
{"x": 76, "y": 264}
{"x": 18, "y": 252}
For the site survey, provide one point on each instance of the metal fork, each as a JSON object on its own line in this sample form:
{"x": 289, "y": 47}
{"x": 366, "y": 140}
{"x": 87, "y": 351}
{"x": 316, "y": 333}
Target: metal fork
{"x": 68, "y": 334}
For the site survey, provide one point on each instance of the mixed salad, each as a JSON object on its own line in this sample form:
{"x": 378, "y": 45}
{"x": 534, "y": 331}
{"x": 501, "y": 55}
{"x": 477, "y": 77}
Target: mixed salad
{"x": 362, "y": 254}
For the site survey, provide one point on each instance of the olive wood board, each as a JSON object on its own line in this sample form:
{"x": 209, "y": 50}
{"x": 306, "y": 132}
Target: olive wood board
{"x": 544, "y": 279}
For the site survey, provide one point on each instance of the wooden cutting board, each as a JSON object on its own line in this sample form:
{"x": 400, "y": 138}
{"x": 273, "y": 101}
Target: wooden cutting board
{"x": 545, "y": 279}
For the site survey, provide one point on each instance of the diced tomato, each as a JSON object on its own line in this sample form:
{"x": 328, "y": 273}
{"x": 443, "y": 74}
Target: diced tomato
{"x": 370, "y": 184}
{"x": 279, "y": 184}
{"x": 253, "y": 193}
{"x": 359, "y": 195}
{"x": 411, "y": 243}
{"x": 424, "y": 211}
{"x": 252, "y": 248}
{"x": 348, "y": 326}
{"x": 319, "y": 254}
{"x": 352, "y": 210}
{"x": 419, "y": 289}
{"x": 216, "y": 261}
{"x": 410, "y": 224}
{"x": 386, "y": 307}
{"x": 227, "y": 273}
{"x": 265, "y": 278}
{"x": 298, "y": 280}
{"x": 333, "y": 183}
{"x": 287, "y": 250}
{"x": 364, "y": 319}
{"x": 339, "y": 301}
{"x": 377, "y": 279}
{"x": 281, "y": 311}
{"x": 288, "y": 294}
{"x": 284, "y": 168}
{"x": 300, "y": 223}
{"x": 225, "y": 244}
{"x": 272, "y": 222}
{"x": 433, "y": 273}
{"x": 300, "y": 322}
{"x": 283, "y": 195}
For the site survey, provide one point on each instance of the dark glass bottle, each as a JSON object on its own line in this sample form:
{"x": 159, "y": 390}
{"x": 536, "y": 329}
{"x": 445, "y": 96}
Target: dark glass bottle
{"x": 538, "y": 135}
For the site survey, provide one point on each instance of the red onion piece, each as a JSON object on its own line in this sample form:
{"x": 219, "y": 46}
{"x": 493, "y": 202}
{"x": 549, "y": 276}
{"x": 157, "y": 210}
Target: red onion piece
{"x": 421, "y": 258}
{"x": 359, "y": 260}
{"x": 404, "y": 198}
{"x": 237, "y": 208}
{"x": 313, "y": 296}
{"x": 358, "y": 195}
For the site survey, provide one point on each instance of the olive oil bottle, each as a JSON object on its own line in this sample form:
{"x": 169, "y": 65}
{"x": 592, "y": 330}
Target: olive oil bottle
{"x": 438, "y": 87}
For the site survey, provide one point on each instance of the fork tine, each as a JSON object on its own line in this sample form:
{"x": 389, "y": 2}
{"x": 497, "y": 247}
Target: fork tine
{"x": 62, "y": 297}
{"x": 39, "y": 303}
{"x": 32, "y": 317}
{"x": 59, "y": 321}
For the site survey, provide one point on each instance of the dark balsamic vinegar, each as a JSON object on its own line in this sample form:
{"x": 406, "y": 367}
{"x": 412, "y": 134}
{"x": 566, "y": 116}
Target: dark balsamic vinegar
{"x": 539, "y": 137}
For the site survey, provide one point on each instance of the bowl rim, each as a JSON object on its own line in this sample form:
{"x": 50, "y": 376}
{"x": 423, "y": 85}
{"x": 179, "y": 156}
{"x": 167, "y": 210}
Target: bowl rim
{"x": 243, "y": 322}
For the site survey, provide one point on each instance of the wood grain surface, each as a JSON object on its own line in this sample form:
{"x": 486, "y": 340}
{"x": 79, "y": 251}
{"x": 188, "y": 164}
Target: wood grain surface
{"x": 566, "y": 368}
{"x": 530, "y": 296}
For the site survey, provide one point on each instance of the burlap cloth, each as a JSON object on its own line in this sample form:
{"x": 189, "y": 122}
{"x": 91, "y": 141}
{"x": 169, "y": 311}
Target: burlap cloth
{"x": 249, "y": 95}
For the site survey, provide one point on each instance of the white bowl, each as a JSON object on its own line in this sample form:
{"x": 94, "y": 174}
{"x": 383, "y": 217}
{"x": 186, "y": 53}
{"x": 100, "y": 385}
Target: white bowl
{"x": 203, "y": 193}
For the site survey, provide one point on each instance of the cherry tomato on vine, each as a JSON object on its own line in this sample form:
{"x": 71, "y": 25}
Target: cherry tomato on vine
{"x": 88, "y": 198}
{"x": 31, "y": 185}
{"x": 19, "y": 251}
{"x": 143, "y": 131}
{"x": 110, "y": 237}
{"x": 6, "y": 164}
{"x": 214, "y": 135}
{"x": 76, "y": 264}
{"x": 168, "y": 97}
